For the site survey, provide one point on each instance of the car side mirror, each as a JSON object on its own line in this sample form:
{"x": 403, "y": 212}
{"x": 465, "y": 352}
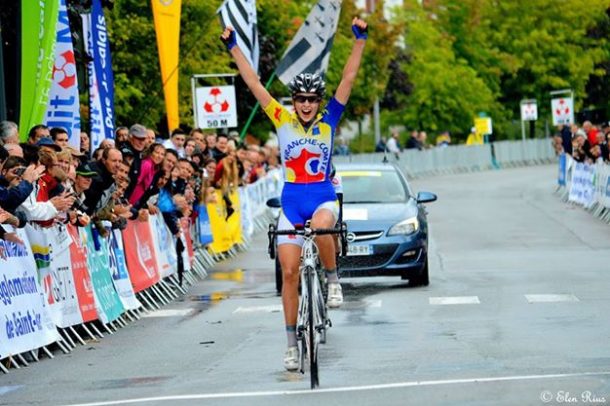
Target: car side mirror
{"x": 274, "y": 202}
{"x": 426, "y": 197}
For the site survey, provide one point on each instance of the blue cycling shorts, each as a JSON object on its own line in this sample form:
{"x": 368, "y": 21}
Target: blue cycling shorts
{"x": 300, "y": 201}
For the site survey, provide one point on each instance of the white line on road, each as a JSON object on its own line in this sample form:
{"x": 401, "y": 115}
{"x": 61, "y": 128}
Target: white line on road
{"x": 254, "y": 309}
{"x": 346, "y": 388}
{"x": 448, "y": 300}
{"x": 169, "y": 313}
{"x": 551, "y": 298}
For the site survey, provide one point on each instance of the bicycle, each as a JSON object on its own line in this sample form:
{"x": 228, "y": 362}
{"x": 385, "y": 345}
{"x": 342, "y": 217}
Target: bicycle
{"x": 312, "y": 319}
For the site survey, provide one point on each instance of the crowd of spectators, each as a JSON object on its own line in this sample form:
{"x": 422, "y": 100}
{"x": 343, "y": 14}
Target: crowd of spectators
{"x": 418, "y": 140}
{"x": 45, "y": 181}
{"x": 587, "y": 143}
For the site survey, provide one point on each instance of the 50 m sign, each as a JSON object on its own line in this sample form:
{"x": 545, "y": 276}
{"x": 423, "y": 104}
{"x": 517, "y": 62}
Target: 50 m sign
{"x": 216, "y": 107}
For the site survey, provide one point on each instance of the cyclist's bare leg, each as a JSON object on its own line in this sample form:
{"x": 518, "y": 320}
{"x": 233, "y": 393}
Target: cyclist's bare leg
{"x": 290, "y": 258}
{"x": 324, "y": 218}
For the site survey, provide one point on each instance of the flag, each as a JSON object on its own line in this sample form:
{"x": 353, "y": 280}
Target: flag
{"x": 38, "y": 22}
{"x": 167, "y": 26}
{"x": 103, "y": 68}
{"x": 309, "y": 50}
{"x": 63, "y": 109}
{"x": 241, "y": 15}
{"x": 96, "y": 134}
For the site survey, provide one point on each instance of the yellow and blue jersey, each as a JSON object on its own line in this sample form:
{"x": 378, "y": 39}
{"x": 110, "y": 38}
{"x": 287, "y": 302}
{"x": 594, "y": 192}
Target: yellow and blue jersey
{"x": 305, "y": 154}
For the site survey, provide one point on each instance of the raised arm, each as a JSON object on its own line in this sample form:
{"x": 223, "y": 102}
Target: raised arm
{"x": 245, "y": 69}
{"x": 350, "y": 71}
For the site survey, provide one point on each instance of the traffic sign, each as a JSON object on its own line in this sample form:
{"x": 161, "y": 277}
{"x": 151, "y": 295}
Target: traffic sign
{"x": 216, "y": 107}
{"x": 563, "y": 110}
{"x": 529, "y": 110}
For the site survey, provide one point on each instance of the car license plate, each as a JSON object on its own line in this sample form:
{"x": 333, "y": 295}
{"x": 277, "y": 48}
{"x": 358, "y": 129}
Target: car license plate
{"x": 358, "y": 249}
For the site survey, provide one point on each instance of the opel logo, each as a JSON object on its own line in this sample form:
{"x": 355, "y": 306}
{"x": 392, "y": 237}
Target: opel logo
{"x": 351, "y": 237}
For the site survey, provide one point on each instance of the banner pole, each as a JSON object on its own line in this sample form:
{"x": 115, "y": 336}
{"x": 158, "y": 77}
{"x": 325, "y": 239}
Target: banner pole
{"x": 243, "y": 131}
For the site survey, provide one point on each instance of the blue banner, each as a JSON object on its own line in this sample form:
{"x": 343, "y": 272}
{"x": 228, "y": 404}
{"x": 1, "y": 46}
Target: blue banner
{"x": 205, "y": 231}
{"x": 561, "y": 179}
{"x": 103, "y": 68}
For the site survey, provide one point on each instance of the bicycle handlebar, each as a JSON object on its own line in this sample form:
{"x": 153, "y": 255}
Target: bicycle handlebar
{"x": 308, "y": 231}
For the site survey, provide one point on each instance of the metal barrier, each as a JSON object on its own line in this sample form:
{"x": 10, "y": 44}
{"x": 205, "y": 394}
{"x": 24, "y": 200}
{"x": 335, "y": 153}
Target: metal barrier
{"x": 463, "y": 158}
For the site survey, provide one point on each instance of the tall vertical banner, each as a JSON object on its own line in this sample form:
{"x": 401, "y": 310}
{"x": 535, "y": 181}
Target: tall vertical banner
{"x": 309, "y": 50}
{"x": 167, "y": 26}
{"x": 96, "y": 131}
{"x": 38, "y": 34}
{"x": 26, "y": 324}
{"x": 63, "y": 109}
{"x": 103, "y": 68}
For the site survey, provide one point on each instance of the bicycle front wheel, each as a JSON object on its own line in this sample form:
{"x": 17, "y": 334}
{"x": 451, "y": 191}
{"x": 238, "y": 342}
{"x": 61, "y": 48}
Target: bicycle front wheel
{"x": 313, "y": 345}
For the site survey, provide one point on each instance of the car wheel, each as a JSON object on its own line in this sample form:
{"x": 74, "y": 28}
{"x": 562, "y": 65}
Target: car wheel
{"x": 278, "y": 276}
{"x": 423, "y": 279}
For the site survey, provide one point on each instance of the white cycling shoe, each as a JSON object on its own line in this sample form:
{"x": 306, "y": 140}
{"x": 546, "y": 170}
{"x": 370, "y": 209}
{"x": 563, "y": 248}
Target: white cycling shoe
{"x": 291, "y": 359}
{"x": 335, "y": 295}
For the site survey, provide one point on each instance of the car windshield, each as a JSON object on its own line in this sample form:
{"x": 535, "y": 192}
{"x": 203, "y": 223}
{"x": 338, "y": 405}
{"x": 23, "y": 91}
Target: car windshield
{"x": 372, "y": 187}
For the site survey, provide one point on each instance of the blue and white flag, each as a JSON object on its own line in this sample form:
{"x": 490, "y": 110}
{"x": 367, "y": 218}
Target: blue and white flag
{"x": 309, "y": 50}
{"x": 241, "y": 16}
{"x": 100, "y": 52}
{"x": 96, "y": 135}
{"x": 63, "y": 108}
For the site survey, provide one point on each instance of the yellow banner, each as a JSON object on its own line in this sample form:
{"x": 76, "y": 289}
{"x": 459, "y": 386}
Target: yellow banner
{"x": 225, "y": 227}
{"x": 167, "y": 26}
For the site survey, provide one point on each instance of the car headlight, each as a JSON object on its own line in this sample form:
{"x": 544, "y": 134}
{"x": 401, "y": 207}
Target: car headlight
{"x": 405, "y": 227}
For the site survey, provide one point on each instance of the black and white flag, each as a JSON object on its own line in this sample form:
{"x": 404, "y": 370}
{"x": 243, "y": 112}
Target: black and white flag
{"x": 309, "y": 50}
{"x": 241, "y": 15}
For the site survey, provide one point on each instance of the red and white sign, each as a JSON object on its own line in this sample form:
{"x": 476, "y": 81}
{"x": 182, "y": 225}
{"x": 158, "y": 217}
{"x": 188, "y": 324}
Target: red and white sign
{"x": 529, "y": 111}
{"x": 563, "y": 110}
{"x": 216, "y": 107}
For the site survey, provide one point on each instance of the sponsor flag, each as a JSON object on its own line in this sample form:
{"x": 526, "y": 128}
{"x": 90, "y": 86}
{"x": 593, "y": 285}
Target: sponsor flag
{"x": 241, "y": 15}
{"x": 38, "y": 34}
{"x": 63, "y": 108}
{"x": 95, "y": 106}
{"x": 167, "y": 26}
{"x": 309, "y": 50}
{"x": 99, "y": 49}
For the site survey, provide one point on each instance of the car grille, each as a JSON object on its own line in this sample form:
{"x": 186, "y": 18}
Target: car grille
{"x": 363, "y": 261}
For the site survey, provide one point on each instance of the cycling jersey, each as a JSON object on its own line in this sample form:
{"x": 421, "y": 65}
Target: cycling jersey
{"x": 305, "y": 154}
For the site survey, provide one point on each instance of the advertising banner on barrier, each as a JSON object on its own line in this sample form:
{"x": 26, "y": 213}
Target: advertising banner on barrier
{"x": 247, "y": 224}
{"x": 80, "y": 275}
{"x": 59, "y": 286}
{"x": 118, "y": 270}
{"x": 581, "y": 188}
{"x": 188, "y": 253}
{"x": 50, "y": 250}
{"x": 140, "y": 255}
{"x": 561, "y": 179}
{"x": 603, "y": 171}
{"x": 26, "y": 324}
{"x": 234, "y": 220}
{"x": 217, "y": 213}
{"x": 205, "y": 229}
{"x": 163, "y": 243}
{"x": 107, "y": 302}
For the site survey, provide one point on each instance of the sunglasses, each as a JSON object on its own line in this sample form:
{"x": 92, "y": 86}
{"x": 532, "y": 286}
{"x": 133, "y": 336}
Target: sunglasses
{"x": 310, "y": 99}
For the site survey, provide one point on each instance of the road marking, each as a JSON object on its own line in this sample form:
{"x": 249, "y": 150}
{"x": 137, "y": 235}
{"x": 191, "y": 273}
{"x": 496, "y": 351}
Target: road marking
{"x": 255, "y": 309}
{"x": 551, "y": 298}
{"x": 169, "y": 313}
{"x": 6, "y": 389}
{"x": 347, "y": 388}
{"x": 372, "y": 303}
{"x": 452, "y": 300}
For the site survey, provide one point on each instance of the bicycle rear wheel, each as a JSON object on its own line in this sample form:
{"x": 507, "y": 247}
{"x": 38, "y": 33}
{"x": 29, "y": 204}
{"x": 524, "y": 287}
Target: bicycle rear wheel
{"x": 311, "y": 333}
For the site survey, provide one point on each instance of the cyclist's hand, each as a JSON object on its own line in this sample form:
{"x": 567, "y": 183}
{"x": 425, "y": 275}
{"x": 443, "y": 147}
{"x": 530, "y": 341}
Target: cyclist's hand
{"x": 360, "y": 28}
{"x": 229, "y": 38}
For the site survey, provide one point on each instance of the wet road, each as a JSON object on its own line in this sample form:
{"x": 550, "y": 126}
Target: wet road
{"x": 515, "y": 314}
